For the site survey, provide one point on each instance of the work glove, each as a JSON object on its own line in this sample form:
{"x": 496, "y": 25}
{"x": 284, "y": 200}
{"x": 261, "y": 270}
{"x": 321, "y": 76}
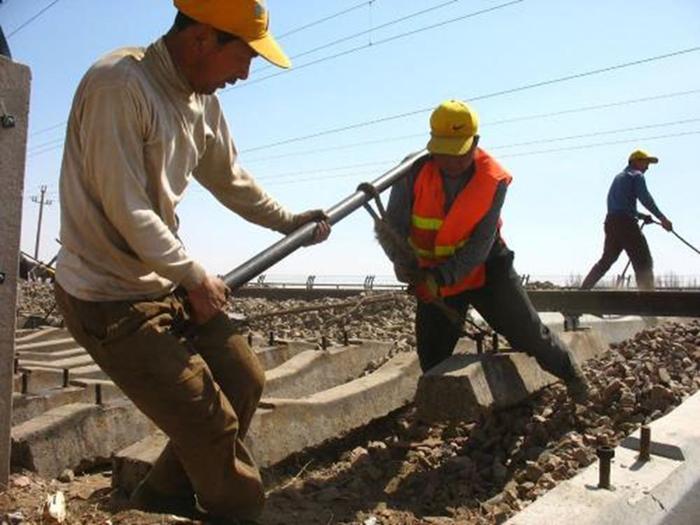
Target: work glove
{"x": 646, "y": 219}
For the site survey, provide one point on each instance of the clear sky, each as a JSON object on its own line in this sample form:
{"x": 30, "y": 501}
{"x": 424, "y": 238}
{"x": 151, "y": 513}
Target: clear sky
{"x": 392, "y": 57}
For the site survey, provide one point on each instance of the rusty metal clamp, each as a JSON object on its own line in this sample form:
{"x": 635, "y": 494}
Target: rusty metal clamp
{"x": 371, "y": 191}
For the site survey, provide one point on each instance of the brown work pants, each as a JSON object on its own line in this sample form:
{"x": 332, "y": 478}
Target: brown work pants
{"x": 623, "y": 233}
{"x": 199, "y": 384}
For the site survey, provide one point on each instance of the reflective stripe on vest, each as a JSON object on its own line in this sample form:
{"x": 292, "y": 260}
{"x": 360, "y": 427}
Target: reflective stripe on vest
{"x": 436, "y": 236}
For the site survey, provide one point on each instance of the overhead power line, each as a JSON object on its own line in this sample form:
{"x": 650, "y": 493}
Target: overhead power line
{"x": 51, "y": 145}
{"x": 365, "y": 32}
{"x": 54, "y": 142}
{"x": 599, "y": 133}
{"x": 521, "y": 154}
{"x": 278, "y": 37}
{"x": 498, "y": 147}
{"x": 493, "y": 94}
{"x": 325, "y": 19}
{"x": 374, "y": 44}
{"x": 535, "y": 116}
{"x": 597, "y": 144}
{"x": 346, "y": 52}
{"x": 524, "y": 87}
{"x": 48, "y": 128}
{"x": 37, "y": 15}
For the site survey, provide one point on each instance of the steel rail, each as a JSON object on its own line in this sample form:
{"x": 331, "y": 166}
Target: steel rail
{"x": 662, "y": 303}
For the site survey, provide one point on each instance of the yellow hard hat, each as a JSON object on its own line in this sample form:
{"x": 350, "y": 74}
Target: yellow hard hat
{"x": 640, "y": 154}
{"x": 246, "y": 19}
{"x": 453, "y": 125}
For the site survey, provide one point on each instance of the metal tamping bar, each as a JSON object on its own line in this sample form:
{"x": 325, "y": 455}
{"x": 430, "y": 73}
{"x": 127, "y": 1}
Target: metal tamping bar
{"x": 302, "y": 235}
{"x": 686, "y": 242}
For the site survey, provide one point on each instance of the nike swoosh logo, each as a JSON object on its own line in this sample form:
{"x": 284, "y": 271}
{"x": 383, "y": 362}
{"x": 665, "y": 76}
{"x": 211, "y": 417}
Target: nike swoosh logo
{"x": 457, "y": 127}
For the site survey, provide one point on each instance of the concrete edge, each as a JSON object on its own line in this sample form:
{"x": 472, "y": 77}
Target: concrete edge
{"x": 642, "y": 493}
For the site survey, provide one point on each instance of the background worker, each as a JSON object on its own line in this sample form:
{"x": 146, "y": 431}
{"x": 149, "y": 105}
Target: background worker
{"x": 448, "y": 206}
{"x": 622, "y": 232}
{"x": 144, "y": 122}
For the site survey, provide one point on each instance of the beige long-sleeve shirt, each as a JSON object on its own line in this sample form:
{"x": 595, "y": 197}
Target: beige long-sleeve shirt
{"x": 136, "y": 136}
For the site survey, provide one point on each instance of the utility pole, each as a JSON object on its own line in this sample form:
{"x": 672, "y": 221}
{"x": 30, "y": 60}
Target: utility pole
{"x": 42, "y": 201}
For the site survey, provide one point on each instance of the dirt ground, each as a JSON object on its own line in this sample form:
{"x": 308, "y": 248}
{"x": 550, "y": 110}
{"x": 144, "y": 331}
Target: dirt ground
{"x": 400, "y": 471}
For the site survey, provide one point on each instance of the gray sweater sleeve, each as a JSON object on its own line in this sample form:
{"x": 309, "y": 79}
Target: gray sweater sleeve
{"x": 477, "y": 248}
{"x": 398, "y": 211}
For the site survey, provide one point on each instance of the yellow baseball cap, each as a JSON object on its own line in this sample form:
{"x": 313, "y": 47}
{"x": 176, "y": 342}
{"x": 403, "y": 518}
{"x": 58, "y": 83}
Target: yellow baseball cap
{"x": 453, "y": 125}
{"x": 246, "y": 19}
{"x": 640, "y": 154}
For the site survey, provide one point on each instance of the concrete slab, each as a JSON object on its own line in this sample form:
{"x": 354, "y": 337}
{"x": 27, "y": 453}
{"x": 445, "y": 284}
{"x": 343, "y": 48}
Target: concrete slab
{"x": 586, "y": 344}
{"x": 687, "y": 510}
{"x": 316, "y": 370}
{"x": 130, "y": 466}
{"x": 273, "y": 356}
{"x": 28, "y": 406}
{"x": 42, "y": 334}
{"x": 282, "y": 427}
{"x": 466, "y": 386}
{"x": 52, "y": 345}
{"x": 88, "y": 372}
{"x": 610, "y": 329}
{"x": 76, "y": 436}
{"x": 49, "y": 356}
{"x": 106, "y": 384}
{"x": 643, "y": 493}
{"x": 60, "y": 364}
{"x": 310, "y": 421}
{"x": 39, "y": 378}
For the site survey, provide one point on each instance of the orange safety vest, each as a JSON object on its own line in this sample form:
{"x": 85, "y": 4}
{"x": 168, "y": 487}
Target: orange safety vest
{"x": 435, "y": 237}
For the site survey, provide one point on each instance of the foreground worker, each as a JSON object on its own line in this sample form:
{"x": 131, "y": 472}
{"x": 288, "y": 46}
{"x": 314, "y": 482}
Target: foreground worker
{"x": 449, "y": 207}
{"x": 144, "y": 122}
{"x": 622, "y": 232}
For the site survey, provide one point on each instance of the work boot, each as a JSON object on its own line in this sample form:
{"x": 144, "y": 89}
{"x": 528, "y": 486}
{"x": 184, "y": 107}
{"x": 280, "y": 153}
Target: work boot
{"x": 577, "y": 385}
{"x": 148, "y": 499}
{"x": 578, "y": 389}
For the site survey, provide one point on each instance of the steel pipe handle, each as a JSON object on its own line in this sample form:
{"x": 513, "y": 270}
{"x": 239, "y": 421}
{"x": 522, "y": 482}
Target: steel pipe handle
{"x": 304, "y": 234}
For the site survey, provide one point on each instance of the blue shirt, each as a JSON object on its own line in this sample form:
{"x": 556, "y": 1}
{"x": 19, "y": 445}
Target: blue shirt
{"x": 625, "y": 189}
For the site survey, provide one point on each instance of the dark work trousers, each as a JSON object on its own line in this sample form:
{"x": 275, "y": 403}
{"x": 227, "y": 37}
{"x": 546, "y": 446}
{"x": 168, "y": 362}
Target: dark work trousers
{"x": 505, "y": 306}
{"x": 623, "y": 233}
